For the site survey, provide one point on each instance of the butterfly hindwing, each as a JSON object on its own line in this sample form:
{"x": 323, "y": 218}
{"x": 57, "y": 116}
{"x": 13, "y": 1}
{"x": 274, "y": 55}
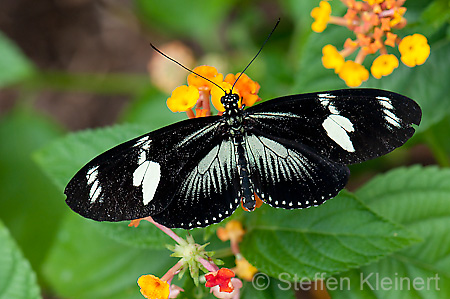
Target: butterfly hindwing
{"x": 347, "y": 126}
{"x": 208, "y": 192}
{"x": 289, "y": 175}
{"x": 138, "y": 178}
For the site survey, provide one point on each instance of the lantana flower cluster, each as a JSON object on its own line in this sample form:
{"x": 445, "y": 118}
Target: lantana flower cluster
{"x": 372, "y": 22}
{"x": 193, "y": 257}
{"x": 200, "y": 93}
{"x": 221, "y": 281}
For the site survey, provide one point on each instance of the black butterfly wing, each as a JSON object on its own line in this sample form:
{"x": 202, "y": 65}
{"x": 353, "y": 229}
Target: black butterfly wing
{"x": 208, "y": 193}
{"x": 140, "y": 177}
{"x": 347, "y": 126}
{"x": 290, "y": 175}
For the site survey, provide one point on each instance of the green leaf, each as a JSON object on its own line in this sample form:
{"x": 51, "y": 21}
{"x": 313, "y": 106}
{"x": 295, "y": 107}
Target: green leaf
{"x": 419, "y": 198}
{"x": 17, "y": 279}
{"x": 339, "y": 235}
{"x": 29, "y": 204}
{"x": 14, "y": 66}
{"x": 150, "y": 108}
{"x": 83, "y": 263}
{"x": 264, "y": 287}
{"x": 146, "y": 235}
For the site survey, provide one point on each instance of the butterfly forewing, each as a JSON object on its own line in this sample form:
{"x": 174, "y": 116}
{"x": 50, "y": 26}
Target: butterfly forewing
{"x": 140, "y": 177}
{"x": 208, "y": 192}
{"x": 347, "y": 126}
{"x": 289, "y": 175}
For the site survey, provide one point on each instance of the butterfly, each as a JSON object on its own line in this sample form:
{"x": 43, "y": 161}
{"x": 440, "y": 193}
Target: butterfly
{"x": 291, "y": 152}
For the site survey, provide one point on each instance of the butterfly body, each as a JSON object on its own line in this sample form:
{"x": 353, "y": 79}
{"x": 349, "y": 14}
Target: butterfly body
{"x": 291, "y": 152}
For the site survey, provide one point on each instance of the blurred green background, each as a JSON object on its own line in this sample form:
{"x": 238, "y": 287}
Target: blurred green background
{"x": 68, "y": 65}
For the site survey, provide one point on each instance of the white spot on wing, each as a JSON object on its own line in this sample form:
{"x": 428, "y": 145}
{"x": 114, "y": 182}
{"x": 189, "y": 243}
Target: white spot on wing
{"x": 392, "y": 118}
{"x": 326, "y": 95}
{"x": 388, "y": 108}
{"x": 385, "y": 102}
{"x": 148, "y": 174}
{"x": 91, "y": 175}
{"x": 142, "y": 140}
{"x": 333, "y": 109}
{"x": 95, "y": 191}
{"x": 337, "y": 128}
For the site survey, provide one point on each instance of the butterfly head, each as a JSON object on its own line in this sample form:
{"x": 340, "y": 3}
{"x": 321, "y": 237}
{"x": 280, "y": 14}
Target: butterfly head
{"x": 230, "y": 101}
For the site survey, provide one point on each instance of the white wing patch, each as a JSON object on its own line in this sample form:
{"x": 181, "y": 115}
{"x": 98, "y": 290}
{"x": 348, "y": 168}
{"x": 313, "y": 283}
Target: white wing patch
{"x": 148, "y": 173}
{"x": 388, "y": 109}
{"x": 96, "y": 189}
{"x": 210, "y": 173}
{"x": 337, "y": 128}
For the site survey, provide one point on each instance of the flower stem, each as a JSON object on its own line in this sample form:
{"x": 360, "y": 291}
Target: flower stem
{"x": 172, "y": 272}
{"x": 209, "y": 266}
{"x": 166, "y": 230}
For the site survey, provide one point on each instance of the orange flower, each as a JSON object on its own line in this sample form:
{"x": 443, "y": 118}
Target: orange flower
{"x": 414, "y": 50}
{"x": 331, "y": 58}
{"x": 244, "y": 269}
{"x": 353, "y": 73}
{"x": 384, "y": 65}
{"x": 153, "y": 288}
{"x": 233, "y": 231}
{"x": 390, "y": 39}
{"x": 208, "y": 72}
{"x": 221, "y": 278}
{"x": 371, "y": 21}
{"x": 248, "y": 89}
{"x": 200, "y": 92}
{"x": 183, "y": 98}
{"x": 321, "y": 15}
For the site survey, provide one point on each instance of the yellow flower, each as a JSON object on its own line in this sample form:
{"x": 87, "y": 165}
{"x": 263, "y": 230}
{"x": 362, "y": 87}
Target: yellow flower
{"x": 353, "y": 73}
{"x": 321, "y": 15}
{"x": 372, "y": 2}
{"x": 248, "y": 89}
{"x": 183, "y": 98}
{"x": 244, "y": 269}
{"x": 414, "y": 50}
{"x": 217, "y": 94}
{"x": 331, "y": 58}
{"x": 384, "y": 65}
{"x": 233, "y": 231}
{"x": 153, "y": 288}
{"x": 208, "y": 72}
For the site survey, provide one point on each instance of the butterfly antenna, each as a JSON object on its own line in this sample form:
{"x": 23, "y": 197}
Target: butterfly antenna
{"x": 186, "y": 68}
{"x": 270, "y": 34}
